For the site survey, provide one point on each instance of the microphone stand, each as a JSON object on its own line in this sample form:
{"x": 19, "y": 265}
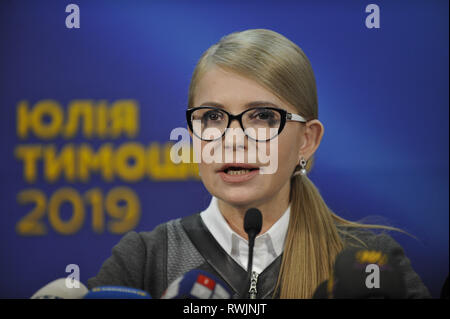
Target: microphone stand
{"x": 252, "y": 226}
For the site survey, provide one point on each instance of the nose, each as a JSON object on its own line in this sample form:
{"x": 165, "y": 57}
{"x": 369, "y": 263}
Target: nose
{"x": 234, "y": 136}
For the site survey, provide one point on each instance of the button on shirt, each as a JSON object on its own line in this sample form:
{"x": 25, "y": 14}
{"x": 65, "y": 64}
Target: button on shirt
{"x": 268, "y": 246}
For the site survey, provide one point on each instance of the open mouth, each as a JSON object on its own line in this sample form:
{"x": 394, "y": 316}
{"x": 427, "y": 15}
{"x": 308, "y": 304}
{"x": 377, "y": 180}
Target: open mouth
{"x": 234, "y": 170}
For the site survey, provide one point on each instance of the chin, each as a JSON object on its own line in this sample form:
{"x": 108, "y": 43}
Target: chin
{"x": 239, "y": 196}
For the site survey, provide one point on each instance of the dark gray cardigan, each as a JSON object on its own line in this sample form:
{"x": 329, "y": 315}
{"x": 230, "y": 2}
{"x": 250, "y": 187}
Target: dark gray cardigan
{"x": 152, "y": 260}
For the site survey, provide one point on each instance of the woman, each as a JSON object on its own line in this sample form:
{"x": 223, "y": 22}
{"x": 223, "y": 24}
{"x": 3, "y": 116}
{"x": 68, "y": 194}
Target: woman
{"x": 250, "y": 80}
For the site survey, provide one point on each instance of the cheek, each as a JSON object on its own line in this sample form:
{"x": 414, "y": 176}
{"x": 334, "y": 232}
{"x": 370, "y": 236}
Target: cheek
{"x": 282, "y": 155}
{"x": 203, "y": 169}
{"x": 290, "y": 145}
{"x": 287, "y": 154}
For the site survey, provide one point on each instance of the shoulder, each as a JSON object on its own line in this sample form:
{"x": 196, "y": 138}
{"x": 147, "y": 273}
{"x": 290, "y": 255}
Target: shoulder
{"x": 159, "y": 244}
{"x": 140, "y": 259}
{"x": 171, "y": 230}
{"x": 135, "y": 242}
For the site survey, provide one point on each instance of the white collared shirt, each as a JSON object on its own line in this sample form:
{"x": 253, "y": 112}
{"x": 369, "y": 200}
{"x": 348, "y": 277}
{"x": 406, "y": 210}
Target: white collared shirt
{"x": 268, "y": 246}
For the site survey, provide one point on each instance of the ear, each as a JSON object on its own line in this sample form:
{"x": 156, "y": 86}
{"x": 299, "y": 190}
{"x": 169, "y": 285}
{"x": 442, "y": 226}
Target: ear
{"x": 312, "y": 136}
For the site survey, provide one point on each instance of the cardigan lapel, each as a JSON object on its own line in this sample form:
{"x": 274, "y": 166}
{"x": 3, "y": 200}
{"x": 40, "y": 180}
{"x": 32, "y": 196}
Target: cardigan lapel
{"x": 230, "y": 271}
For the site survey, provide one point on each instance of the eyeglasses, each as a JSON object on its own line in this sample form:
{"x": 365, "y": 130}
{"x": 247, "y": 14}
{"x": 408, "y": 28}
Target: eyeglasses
{"x": 260, "y": 123}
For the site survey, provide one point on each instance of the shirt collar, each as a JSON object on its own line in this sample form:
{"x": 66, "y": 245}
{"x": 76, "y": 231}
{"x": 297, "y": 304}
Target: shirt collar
{"x": 272, "y": 241}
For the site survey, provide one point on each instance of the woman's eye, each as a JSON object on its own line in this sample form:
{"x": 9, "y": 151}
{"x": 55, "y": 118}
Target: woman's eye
{"x": 263, "y": 115}
{"x": 212, "y": 116}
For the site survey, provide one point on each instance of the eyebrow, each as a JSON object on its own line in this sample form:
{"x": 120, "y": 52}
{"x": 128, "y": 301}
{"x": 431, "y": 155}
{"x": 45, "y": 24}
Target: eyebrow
{"x": 247, "y": 106}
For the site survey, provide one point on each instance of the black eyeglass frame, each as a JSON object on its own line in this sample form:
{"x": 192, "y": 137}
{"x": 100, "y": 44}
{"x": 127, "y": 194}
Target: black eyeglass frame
{"x": 285, "y": 116}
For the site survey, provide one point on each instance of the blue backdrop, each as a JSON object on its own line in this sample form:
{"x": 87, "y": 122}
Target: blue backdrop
{"x": 383, "y": 99}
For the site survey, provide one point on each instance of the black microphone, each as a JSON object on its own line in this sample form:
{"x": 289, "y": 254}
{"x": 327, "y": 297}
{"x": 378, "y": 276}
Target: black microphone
{"x": 252, "y": 226}
{"x": 444, "y": 291}
{"x": 364, "y": 274}
{"x": 322, "y": 291}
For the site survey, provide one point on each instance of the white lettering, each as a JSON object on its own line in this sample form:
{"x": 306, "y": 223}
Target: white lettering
{"x": 73, "y": 280}
{"x": 73, "y": 19}
{"x": 373, "y": 19}
{"x": 373, "y": 280}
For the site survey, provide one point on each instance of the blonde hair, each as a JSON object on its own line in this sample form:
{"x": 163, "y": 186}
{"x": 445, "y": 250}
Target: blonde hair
{"x": 314, "y": 234}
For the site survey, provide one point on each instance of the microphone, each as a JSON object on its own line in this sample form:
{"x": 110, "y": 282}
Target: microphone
{"x": 197, "y": 284}
{"x": 445, "y": 290}
{"x": 116, "y": 292}
{"x": 363, "y": 274}
{"x": 321, "y": 291}
{"x": 58, "y": 289}
{"x": 252, "y": 226}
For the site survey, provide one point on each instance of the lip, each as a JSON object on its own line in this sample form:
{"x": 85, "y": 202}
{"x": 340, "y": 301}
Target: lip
{"x": 238, "y": 178}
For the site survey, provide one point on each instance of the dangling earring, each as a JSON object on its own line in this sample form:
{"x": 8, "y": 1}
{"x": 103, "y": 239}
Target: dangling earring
{"x": 303, "y": 165}
{"x": 302, "y": 171}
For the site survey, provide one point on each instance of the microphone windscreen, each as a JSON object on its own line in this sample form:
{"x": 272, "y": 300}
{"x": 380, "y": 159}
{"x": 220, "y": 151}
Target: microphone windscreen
{"x": 321, "y": 291}
{"x": 197, "y": 284}
{"x": 59, "y": 289}
{"x": 445, "y": 290}
{"x": 364, "y": 274}
{"x": 253, "y": 221}
{"x": 116, "y": 292}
